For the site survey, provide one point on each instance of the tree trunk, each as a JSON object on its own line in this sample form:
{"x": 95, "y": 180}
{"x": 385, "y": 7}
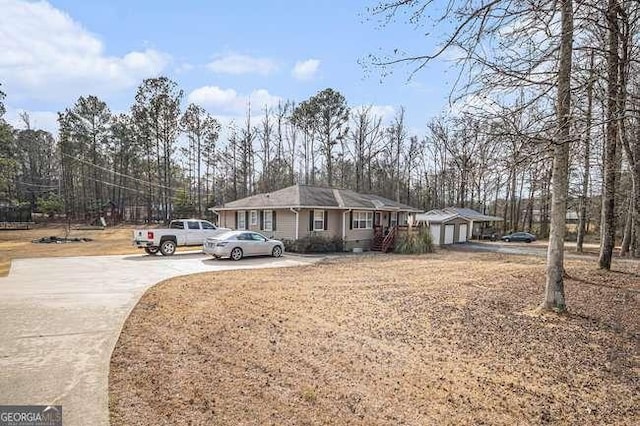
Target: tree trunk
{"x": 328, "y": 152}
{"x": 608, "y": 228}
{"x": 544, "y": 208}
{"x": 554, "y": 292}
{"x": 528, "y": 218}
{"x": 198, "y": 172}
{"x": 635, "y": 244}
{"x": 628, "y": 229}
{"x": 586, "y": 160}
{"x": 632, "y": 148}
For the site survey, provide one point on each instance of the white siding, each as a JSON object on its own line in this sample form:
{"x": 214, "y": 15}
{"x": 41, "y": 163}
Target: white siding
{"x": 227, "y": 219}
{"x": 448, "y": 233}
{"x": 359, "y": 234}
{"x": 284, "y": 221}
{"x": 435, "y": 234}
{"x": 462, "y": 237}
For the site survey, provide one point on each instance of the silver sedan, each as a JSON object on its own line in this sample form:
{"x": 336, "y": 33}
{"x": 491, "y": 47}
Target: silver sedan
{"x": 238, "y": 244}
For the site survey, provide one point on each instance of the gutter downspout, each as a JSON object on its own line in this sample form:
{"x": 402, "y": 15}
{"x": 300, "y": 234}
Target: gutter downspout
{"x": 297, "y": 213}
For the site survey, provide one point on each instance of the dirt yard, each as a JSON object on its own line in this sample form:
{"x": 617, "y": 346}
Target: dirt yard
{"x": 452, "y": 338}
{"x": 18, "y": 244}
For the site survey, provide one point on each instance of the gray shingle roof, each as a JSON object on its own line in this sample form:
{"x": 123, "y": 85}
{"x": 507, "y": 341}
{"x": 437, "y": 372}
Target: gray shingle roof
{"x": 466, "y": 213}
{"x": 437, "y": 216}
{"x": 306, "y": 196}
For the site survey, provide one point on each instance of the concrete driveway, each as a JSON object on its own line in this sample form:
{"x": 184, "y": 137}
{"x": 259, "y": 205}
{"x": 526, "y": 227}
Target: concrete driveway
{"x": 60, "y": 319}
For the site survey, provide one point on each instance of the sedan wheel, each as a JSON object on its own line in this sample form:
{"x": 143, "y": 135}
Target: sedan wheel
{"x": 168, "y": 248}
{"x": 507, "y": 240}
{"x": 236, "y": 253}
{"x": 277, "y": 251}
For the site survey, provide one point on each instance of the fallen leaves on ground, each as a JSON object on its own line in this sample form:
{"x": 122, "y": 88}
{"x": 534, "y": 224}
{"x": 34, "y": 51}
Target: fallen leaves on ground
{"x": 452, "y": 338}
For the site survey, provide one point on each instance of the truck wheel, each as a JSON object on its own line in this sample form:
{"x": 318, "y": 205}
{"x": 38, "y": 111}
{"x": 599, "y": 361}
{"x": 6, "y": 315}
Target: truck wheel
{"x": 151, "y": 250}
{"x": 168, "y": 248}
{"x": 236, "y": 253}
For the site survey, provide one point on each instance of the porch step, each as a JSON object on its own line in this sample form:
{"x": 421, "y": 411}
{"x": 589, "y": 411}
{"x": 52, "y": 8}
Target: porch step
{"x": 377, "y": 244}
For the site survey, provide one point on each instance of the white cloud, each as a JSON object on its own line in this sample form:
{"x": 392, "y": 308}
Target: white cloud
{"x": 305, "y": 70}
{"x": 215, "y": 97}
{"x": 221, "y": 100}
{"x": 184, "y": 68}
{"x": 262, "y": 98}
{"x": 386, "y": 112}
{"x": 242, "y": 64}
{"x": 46, "y": 54}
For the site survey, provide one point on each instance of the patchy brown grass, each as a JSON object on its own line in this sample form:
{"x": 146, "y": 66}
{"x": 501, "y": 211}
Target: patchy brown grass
{"x": 18, "y": 244}
{"x": 452, "y": 338}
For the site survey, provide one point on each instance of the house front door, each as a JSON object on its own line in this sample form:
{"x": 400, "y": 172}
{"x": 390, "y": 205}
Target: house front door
{"x": 377, "y": 219}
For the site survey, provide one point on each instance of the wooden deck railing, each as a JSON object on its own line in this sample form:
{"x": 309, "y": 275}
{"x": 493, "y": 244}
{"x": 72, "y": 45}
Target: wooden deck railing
{"x": 382, "y": 242}
{"x": 390, "y": 239}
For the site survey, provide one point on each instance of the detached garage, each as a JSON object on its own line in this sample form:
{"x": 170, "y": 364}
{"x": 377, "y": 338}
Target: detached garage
{"x": 445, "y": 228}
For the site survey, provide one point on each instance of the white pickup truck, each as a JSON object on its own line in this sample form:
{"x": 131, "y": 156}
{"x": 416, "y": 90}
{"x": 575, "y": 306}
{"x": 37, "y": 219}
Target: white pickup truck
{"x": 181, "y": 232}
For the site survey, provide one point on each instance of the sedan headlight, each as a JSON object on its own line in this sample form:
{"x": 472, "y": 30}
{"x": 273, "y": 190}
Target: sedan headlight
{"x": 222, "y": 244}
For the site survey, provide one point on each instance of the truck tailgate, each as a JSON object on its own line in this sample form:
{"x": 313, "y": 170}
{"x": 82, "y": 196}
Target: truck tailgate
{"x": 142, "y": 237}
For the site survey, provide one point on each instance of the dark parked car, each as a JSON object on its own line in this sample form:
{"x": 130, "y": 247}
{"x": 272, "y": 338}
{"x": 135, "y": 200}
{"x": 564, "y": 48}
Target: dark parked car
{"x": 519, "y": 236}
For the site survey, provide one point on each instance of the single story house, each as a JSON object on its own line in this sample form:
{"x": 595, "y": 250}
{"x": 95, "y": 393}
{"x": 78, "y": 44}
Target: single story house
{"x": 302, "y": 210}
{"x": 454, "y": 224}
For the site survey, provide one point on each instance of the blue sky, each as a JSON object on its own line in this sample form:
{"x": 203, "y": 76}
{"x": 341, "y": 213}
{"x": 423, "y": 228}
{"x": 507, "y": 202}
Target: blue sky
{"x": 221, "y": 54}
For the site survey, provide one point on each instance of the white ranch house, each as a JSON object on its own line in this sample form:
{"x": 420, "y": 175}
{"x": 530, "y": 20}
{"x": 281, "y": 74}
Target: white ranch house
{"x": 301, "y": 210}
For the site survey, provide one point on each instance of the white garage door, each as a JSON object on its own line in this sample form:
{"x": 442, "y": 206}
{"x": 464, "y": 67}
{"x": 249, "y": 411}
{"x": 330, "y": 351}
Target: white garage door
{"x": 448, "y": 234}
{"x": 463, "y": 233}
{"x": 435, "y": 234}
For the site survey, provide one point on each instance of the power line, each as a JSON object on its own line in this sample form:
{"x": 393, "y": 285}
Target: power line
{"x": 139, "y": 191}
{"x": 157, "y": 185}
{"x": 55, "y": 187}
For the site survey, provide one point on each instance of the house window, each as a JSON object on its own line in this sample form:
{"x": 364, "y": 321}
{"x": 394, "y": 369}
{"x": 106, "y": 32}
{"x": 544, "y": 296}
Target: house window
{"x": 254, "y": 218}
{"x": 403, "y": 218}
{"x": 362, "y": 220}
{"x": 394, "y": 219}
{"x": 318, "y": 220}
{"x": 241, "y": 216}
{"x": 268, "y": 220}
